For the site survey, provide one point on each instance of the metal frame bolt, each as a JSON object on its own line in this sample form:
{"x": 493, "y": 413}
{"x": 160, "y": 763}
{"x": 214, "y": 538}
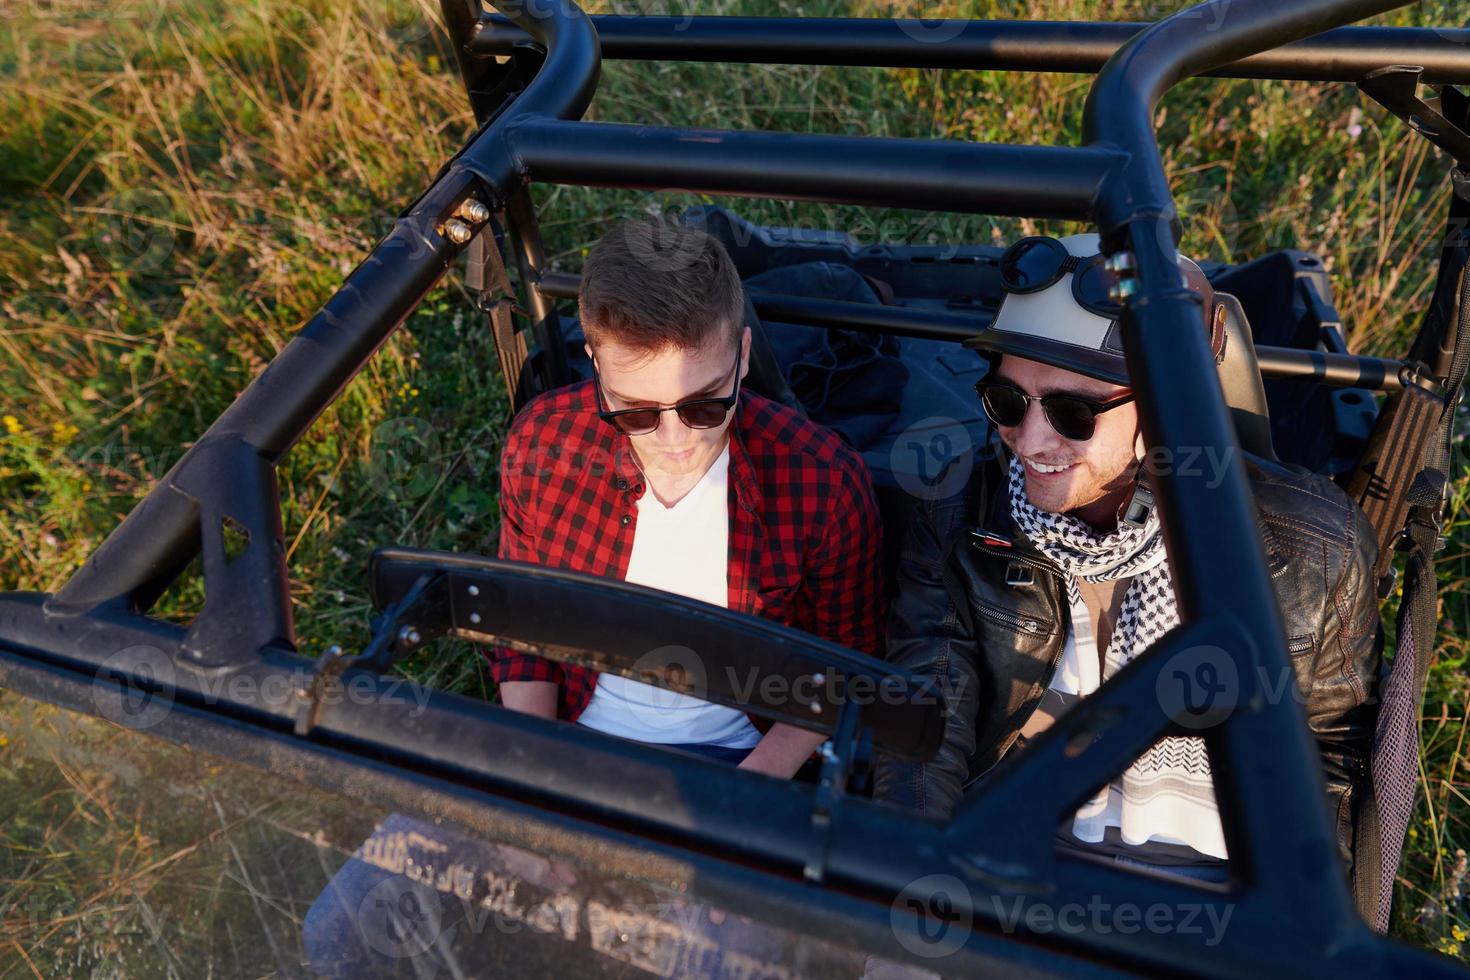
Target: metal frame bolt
{"x": 474, "y": 211}
{"x": 457, "y": 231}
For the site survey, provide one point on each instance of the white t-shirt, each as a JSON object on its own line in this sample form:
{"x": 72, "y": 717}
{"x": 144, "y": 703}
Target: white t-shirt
{"x": 682, "y": 549}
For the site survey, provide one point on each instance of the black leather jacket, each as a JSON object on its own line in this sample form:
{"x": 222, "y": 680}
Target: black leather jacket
{"x": 993, "y": 646}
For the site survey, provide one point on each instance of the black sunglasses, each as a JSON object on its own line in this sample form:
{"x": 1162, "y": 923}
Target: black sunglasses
{"x": 1073, "y": 416}
{"x": 697, "y": 413}
{"x": 1034, "y": 263}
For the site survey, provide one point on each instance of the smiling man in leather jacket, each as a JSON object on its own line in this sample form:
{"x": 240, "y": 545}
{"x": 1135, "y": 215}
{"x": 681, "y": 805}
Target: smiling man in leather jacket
{"x": 1028, "y": 588}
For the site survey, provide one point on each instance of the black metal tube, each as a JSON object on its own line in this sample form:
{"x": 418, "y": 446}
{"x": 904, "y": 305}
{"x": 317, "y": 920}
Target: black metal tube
{"x": 489, "y": 768}
{"x": 1168, "y": 362}
{"x": 1435, "y": 342}
{"x": 1344, "y": 55}
{"x": 564, "y": 86}
{"x": 417, "y": 728}
{"x": 815, "y": 312}
{"x": 1335, "y": 370}
{"x": 461, "y": 21}
{"x": 530, "y": 258}
{"x": 1210, "y": 524}
{"x": 557, "y": 285}
{"x": 1120, "y": 106}
{"x": 747, "y": 879}
{"x": 990, "y": 178}
{"x": 736, "y": 839}
{"x": 302, "y": 380}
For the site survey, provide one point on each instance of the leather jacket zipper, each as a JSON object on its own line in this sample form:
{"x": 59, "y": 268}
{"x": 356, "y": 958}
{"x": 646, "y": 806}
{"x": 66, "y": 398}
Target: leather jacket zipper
{"x": 1034, "y": 698}
{"x": 1010, "y": 554}
{"x": 1026, "y": 623}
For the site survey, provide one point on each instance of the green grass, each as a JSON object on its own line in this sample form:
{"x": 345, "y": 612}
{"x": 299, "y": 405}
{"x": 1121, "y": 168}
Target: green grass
{"x": 183, "y": 185}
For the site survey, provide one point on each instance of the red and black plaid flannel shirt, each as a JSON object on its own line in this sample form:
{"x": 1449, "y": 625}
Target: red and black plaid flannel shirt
{"x": 805, "y": 538}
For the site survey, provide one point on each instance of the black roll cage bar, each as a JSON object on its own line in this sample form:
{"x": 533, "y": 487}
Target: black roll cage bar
{"x": 772, "y": 844}
{"x": 1342, "y": 55}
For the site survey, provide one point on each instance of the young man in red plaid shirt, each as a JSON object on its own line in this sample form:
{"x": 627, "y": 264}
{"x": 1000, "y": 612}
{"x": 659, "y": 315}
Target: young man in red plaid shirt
{"x": 662, "y": 471}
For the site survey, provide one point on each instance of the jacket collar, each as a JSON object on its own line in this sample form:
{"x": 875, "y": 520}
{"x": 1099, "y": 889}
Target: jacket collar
{"x": 997, "y": 528}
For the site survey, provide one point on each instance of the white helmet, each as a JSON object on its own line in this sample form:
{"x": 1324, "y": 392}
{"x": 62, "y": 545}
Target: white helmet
{"x": 1057, "y": 309}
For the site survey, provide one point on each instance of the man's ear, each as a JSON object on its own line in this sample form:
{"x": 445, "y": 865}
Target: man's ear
{"x": 588, "y": 348}
{"x": 744, "y": 353}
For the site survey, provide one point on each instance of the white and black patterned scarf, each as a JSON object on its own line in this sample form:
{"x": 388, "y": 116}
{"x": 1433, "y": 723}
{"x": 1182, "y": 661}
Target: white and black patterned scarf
{"x": 1168, "y": 792}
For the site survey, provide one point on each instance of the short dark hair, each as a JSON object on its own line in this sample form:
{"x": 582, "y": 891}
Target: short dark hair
{"x": 652, "y": 284}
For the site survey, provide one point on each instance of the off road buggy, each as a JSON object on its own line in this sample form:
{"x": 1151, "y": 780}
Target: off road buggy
{"x": 505, "y": 844}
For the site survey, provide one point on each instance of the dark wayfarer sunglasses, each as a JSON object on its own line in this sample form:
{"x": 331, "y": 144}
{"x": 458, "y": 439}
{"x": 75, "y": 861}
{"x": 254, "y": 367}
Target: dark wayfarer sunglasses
{"x": 1073, "y": 416}
{"x": 1034, "y": 263}
{"x": 697, "y": 413}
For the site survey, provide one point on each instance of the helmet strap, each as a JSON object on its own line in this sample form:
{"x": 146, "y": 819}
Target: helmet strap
{"x": 1139, "y": 505}
{"x": 1135, "y": 510}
